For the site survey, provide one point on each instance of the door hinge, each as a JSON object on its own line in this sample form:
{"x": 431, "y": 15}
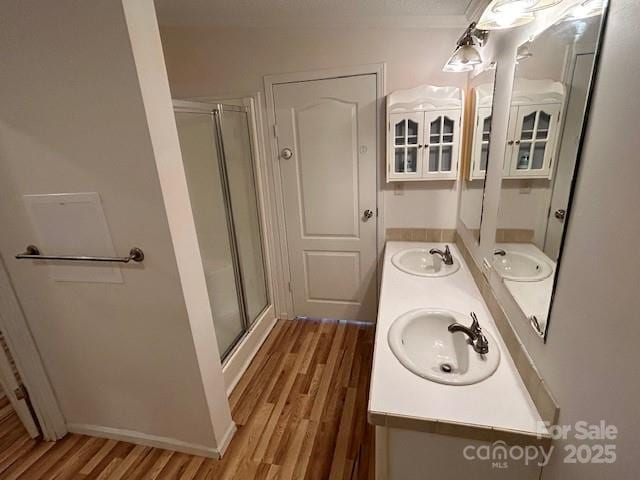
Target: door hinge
{"x": 289, "y": 286}
{"x": 275, "y": 130}
{"x": 20, "y": 392}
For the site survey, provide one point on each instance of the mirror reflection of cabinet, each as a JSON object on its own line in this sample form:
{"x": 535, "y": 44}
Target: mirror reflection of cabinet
{"x": 532, "y": 135}
{"x": 424, "y": 133}
{"x": 483, "y": 99}
{"x": 481, "y": 138}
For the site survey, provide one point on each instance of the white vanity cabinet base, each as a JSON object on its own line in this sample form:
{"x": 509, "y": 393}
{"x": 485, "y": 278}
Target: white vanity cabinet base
{"x": 412, "y": 455}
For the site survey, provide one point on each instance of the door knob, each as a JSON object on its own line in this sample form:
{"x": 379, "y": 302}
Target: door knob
{"x": 367, "y": 214}
{"x": 286, "y": 153}
{"x": 560, "y": 214}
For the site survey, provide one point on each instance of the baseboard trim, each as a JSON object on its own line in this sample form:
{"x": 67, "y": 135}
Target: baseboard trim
{"x": 244, "y": 349}
{"x": 226, "y": 439}
{"x": 356, "y": 323}
{"x": 147, "y": 440}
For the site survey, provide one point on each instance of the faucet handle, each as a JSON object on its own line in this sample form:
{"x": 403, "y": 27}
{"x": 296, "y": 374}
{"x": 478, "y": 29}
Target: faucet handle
{"x": 475, "y": 325}
{"x": 447, "y": 250}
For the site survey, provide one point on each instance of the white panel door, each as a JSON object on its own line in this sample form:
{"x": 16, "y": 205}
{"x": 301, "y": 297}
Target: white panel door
{"x": 329, "y": 192}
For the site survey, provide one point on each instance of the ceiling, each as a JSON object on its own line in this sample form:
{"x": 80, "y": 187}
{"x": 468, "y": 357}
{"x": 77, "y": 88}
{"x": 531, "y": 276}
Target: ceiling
{"x": 269, "y": 13}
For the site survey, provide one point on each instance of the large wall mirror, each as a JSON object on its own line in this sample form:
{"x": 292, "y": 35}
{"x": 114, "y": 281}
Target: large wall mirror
{"x": 549, "y": 103}
{"x": 475, "y": 153}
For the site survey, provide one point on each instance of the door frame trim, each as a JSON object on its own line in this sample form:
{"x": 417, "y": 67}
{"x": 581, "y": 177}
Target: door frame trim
{"x": 284, "y": 305}
{"x": 28, "y": 361}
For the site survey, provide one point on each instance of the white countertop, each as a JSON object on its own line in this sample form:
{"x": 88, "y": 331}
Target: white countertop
{"x": 500, "y": 402}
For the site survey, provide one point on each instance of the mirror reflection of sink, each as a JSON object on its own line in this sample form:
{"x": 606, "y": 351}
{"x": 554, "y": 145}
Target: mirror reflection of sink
{"x": 418, "y": 261}
{"x": 521, "y": 267}
{"x": 421, "y": 341}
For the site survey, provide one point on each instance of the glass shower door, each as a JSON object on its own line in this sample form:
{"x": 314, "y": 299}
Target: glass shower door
{"x": 215, "y": 141}
{"x": 239, "y": 165}
{"x": 199, "y": 154}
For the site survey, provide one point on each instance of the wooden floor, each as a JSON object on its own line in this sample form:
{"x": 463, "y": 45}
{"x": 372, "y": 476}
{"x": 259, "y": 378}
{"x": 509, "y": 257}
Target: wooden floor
{"x": 300, "y": 410}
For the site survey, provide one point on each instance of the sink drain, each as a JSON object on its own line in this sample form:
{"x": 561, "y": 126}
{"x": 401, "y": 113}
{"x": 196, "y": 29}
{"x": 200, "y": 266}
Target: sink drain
{"x": 446, "y": 368}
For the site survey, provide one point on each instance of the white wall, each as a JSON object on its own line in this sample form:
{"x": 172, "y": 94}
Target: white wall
{"x": 592, "y": 348}
{"x": 86, "y": 108}
{"x": 218, "y": 61}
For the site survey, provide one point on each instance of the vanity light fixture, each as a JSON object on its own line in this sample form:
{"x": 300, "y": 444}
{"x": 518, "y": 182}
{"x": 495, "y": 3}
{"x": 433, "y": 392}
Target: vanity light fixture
{"x": 457, "y": 68}
{"x": 522, "y": 6}
{"x": 492, "y": 20}
{"x": 586, "y": 9}
{"x": 466, "y": 54}
{"x": 523, "y": 53}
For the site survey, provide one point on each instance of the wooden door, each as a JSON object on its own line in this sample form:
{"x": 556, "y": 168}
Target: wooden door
{"x": 326, "y": 136}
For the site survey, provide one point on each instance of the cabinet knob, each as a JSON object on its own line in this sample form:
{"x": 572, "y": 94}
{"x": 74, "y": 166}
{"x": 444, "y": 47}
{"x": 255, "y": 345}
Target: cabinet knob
{"x": 419, "y": 146}
{"x": 510, "y": 142}
{"x": 560, "y": 214}
{"x": 517, "y": 142}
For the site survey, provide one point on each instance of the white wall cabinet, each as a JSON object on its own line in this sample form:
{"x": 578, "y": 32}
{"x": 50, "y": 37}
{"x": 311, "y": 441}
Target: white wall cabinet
{"x": 533, "y": 131}
{"x": 531, "y": 144}
{"x": 423, "y": 133}
{"x": 534, "y": 122}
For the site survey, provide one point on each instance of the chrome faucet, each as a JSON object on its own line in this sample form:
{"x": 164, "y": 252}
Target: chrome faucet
{"x": 500, "y": 252}
{"x": 476, "y": 338}
{"x": 445, "y": 256}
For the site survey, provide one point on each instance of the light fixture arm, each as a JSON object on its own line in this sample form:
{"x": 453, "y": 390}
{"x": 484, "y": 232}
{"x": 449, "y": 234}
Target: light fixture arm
{"x": 472, "y": 33}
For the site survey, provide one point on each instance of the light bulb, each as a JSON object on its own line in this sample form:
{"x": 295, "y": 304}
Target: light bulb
{"x": 519, "y": 7}
{"x": 514, "y": 7}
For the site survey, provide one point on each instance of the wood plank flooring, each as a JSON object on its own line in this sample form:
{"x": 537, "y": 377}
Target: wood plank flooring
{"x": 300, "y": 410}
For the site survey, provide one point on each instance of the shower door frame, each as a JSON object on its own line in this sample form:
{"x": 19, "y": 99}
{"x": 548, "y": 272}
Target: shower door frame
{"x": 216, "y": 112}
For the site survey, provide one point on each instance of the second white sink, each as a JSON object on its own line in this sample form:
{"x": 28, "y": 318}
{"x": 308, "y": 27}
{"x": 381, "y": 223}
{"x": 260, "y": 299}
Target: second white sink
{"x": 521, "y": 267}
{"x": 421, "y": 341}
{"x": 418, "y": 261}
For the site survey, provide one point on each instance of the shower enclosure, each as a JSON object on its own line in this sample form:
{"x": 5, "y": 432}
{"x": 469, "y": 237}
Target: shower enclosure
{"x": 215, "y": 140}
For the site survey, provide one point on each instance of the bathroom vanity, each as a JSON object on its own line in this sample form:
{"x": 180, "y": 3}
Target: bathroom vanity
{"x": 434, "y": 407}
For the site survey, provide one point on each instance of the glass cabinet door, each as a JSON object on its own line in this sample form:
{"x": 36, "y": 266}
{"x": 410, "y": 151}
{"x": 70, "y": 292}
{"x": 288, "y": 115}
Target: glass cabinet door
{"x": 441, "y": 131}
{"x": 481, "y": 138}
{"x": 406, "y": 136}
{"x": 535, "y": 132}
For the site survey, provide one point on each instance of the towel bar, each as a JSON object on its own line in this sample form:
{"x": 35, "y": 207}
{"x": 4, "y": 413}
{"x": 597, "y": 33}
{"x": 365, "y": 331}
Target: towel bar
{"x": 33, "y": 253}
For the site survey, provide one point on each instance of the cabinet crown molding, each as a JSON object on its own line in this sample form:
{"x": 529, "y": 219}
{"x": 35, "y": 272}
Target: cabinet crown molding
{"x": 536, "y": 92}
{"x": 425, "y": 97}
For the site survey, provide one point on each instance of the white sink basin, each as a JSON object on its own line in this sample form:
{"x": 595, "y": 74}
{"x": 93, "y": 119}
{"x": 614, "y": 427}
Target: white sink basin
{"x": 418, "y": 261}
{"x": 521, "y": 267}
{"x": 422, "y": 343}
